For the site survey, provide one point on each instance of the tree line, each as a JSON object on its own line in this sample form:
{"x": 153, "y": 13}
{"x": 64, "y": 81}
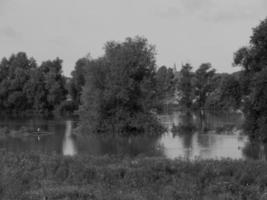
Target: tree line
{"x": 123, "y": 90}
{"x": 206, "y": 90}
{"x": 245, "y": 89}
{"x": 26, "y": 87}
{"x": 120, "y": 91}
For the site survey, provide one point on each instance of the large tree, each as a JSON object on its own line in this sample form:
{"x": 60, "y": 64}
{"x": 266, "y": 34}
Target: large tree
{"x": 27, "y": 88}
{"x": 230, "y": 93}
{"x": 54, "y": 83}
{"x": 119, "y": 92}
{"x": 226, "y": 93}
{"x": 253, "y": 60}
{"x": 14, "y": 74}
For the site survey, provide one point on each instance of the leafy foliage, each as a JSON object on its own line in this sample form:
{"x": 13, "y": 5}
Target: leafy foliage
{"x": 165, "y": 84}
{"x": 78, "y": 80}
{"x": 185, "y": 87}
{"x": 253, "y": 60}
{"x": 119, "y": 92}
{"x": 25, "y": 87}
{"x": 226, "y": 94}
{"x": 206, "y": 90}
{"x": 202, "y": 84}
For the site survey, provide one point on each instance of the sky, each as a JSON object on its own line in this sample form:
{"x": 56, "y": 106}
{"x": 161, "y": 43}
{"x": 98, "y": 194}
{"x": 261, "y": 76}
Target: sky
{"x": 193, "y": 31}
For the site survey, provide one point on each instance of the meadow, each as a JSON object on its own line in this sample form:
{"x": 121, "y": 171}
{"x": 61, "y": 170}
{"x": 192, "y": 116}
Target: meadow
{"x": 33, "y": 176}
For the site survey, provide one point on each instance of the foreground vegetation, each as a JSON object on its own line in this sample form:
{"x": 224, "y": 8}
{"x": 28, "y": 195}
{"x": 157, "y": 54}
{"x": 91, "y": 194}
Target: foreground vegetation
{"x": 35, "y": 176}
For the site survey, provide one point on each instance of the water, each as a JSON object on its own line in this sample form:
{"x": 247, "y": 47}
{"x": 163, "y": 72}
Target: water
{"x": 216, "y": 143}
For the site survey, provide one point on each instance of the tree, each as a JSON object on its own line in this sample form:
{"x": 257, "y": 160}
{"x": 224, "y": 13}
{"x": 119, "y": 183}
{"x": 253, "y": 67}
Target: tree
{"x": 203, "y": 85}
{"x": 230, "y": 93}
{"x": 35, "y": 91}
{"x": 14, "y": 74}
{"x": 256, "y": 108}
{"x": 26, "y": 88}
{"x": 92, "y": 108}
{"x": 78, "y": 80}
{"x": 54, "y": 83}
{"x": 253, "y": 60}
{"x": 185, "y": 87}
{"x": 165, "y": 84}
{"x": 119, "y": 92}
{"x": 226, "y": 94}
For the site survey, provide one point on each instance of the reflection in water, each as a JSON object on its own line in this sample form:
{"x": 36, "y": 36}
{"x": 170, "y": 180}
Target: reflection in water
{"x": 204, "y": 146}
{"x": 187, "y": 143}
{"x": 190, "y": 142}
{"x": 118, "y": 145}
{"x": 47, "y": 144}
{"x": 68, "y": 143}
{"x": 186, "y": 125}
{"x": 255, "y": 150}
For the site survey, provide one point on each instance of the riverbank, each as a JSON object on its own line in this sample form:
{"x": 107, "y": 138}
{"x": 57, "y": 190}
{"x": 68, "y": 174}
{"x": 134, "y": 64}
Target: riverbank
{"x": 32, "y": 176}
{"x": 6, "y": 132}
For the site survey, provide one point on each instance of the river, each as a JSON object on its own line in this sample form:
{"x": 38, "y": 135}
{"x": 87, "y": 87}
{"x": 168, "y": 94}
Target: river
{"x": 214, "y": 143}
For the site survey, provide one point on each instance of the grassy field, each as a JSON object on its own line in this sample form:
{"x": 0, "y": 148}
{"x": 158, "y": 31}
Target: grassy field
{"x": 32, "y": 176}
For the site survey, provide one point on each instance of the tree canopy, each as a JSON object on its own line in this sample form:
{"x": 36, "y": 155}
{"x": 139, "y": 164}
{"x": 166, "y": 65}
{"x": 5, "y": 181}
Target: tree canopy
{"x": 78, "y": 80}
{"x": 185, "y": 87}
{"x": 119, "y": 92}
{"x": 253, "y": 60}
{"x": 25, "y": 87}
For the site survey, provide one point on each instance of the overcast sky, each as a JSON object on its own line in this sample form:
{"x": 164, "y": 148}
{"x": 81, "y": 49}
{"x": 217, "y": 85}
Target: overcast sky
{"x": 192, "y": 31}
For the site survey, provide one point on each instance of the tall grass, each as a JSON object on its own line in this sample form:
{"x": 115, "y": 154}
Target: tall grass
{"x": 33, "y": 176}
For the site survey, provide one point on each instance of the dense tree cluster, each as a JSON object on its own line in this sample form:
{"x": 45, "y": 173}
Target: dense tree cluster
{"x": 185, "y": 87}
{"x": 203, "y": 84}
{"x": 78, "y": 80}
{"x": 204, "y": 89}
{"x": 253, "y": 60}
{"x": 226, "y": 93}
{"x": 120, "y": 92}
{"x": 27, "y": 88}
{"x": 165, "y": 85}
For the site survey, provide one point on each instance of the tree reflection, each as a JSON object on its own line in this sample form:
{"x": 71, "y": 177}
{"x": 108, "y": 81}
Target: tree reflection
{"x": 255, "y": 150}
{"x": 185, "y": 130}
{"x": 118, "y": 145}
{"x": 185, "y": 126}
{"x": 202, "y": 123}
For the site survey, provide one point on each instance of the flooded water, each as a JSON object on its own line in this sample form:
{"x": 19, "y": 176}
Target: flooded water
{"x": 221, "y": 139}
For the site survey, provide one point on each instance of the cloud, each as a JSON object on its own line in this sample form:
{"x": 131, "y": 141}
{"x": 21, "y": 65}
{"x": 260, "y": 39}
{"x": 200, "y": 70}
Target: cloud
{"x": 9, "y": 32}
{"x": 3, "y": 4}
{"x": 213, "y": 10}
{"x": 59, "y": 41}
{"x": 182, "y": 8}
{"x": 169, "y": 12}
